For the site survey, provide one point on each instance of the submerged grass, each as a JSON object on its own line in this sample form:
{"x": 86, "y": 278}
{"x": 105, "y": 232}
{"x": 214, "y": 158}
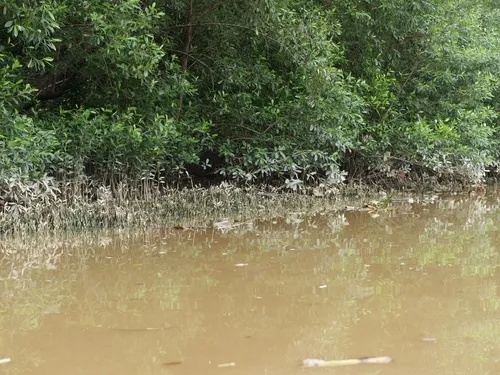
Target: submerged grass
{"x": 47, "y": 206}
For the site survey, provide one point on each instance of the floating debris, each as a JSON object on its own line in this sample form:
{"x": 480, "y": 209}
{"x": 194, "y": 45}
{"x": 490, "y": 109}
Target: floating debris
{"x": 181, "y": 228}
{"x": 429, "y": 339}
{"x": 4, "y": 361}
{"x": 311, "y": 362}
{"x": 172, "y": 363}
{"x": 230, "y": 364}
{"x": 223, "y": 225}
{"x": 142, "y": 329}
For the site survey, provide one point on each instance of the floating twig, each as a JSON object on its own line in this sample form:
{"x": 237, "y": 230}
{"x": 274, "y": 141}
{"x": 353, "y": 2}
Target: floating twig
{"x": 145, "y": 329}
{"x": 230, "y": 364}
{"x": 345, "y": 362}
{"x": 172, "y": 363}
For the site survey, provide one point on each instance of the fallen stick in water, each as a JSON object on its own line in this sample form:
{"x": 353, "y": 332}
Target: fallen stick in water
{"x": 345, "y": 362}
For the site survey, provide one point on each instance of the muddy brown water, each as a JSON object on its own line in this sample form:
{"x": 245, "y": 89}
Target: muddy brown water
{"x": 418, "y": 283}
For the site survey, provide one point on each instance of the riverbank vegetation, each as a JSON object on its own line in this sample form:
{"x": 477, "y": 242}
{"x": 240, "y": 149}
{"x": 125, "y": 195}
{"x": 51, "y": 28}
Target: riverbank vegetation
{"x": 186, "y": 209}
{"x": 102, "y": 95}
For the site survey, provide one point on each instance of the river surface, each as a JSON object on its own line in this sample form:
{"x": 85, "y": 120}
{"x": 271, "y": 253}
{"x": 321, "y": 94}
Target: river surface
{"x": 417, "y": 282}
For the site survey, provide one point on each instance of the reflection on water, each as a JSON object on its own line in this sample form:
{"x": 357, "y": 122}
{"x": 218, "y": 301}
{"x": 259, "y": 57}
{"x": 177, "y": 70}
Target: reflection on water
{"x": 417, "y": 282}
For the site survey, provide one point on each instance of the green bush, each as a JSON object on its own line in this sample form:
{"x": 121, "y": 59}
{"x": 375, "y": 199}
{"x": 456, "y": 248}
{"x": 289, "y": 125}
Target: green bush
{"x": 282, "y": 91}
{"x": 125, "y": 143}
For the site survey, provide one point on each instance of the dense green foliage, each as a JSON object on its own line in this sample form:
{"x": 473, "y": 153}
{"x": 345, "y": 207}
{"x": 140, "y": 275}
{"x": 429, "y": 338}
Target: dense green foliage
{"x": 281, "y": 91}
